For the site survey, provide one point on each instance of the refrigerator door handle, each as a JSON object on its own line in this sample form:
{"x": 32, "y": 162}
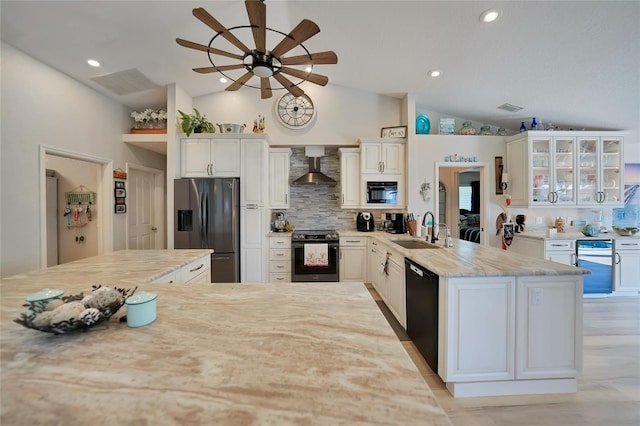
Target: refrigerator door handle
{"x": 201, "y": 219}
{"x": 206, "y": 219}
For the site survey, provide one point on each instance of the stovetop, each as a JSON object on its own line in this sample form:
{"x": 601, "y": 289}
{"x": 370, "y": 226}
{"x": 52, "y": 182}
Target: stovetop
{"x": 315, "y": 235}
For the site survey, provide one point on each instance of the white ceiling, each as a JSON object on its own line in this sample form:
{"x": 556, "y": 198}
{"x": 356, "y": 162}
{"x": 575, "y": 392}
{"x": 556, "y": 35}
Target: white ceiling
{"x": 574, "y": 63}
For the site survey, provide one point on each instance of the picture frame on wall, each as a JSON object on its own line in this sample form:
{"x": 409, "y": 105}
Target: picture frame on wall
{"x": 120, "y": 200}
{"x": 120, "y": 192}
{"x": 119, "y": 184}
{"x": 120, "y": 208}
{"x": 394, "y": 132}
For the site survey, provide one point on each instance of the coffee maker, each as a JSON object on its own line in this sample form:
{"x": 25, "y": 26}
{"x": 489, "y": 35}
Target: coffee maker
{"x": 364, "y": 222}
{"x": 395, "y": 223}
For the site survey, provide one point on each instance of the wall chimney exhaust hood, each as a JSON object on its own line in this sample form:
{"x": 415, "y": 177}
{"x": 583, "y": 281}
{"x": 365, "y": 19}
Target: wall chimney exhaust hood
{"x": 314, "y": 176}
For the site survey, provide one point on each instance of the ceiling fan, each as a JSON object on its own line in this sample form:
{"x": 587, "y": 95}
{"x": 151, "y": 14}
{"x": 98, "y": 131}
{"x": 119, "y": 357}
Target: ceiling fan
{"x": 261, "y": 62}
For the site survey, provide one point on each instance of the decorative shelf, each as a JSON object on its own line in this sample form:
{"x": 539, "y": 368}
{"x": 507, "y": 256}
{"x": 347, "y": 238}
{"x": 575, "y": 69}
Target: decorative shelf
{"x": 156, "y": 142}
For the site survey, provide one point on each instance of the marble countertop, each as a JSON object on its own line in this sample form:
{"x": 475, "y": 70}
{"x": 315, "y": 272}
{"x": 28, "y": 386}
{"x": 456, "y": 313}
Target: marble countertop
{"x": 123, "y": 266}
{"x": 467, "y": 259}
{"x": 571, "y": 235}
{"x": 303, "y": 353}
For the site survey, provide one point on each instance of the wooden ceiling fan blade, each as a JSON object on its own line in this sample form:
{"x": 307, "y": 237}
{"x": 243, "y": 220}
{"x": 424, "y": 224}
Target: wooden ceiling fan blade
{"x": 239, "y": 82}
{"x": 257, "y": 12}
{"x": 318, "y": 79}
{"x": 265, "y": 88}
{"x": 287, "y": 84}
{"x": 207, "y": 70}
{"x": 202, "y": 47}
{"x": 302, "y": 32}
{"x": 320, "y": 58}
{"x": 212, "y": 23}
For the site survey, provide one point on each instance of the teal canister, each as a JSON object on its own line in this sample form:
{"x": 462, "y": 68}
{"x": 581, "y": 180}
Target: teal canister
{"x": 141, "y": 309}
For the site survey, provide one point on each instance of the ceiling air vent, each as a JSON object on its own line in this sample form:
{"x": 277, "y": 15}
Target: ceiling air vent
{"x": 125, "y": 82}
{"x": 510, "y": 107}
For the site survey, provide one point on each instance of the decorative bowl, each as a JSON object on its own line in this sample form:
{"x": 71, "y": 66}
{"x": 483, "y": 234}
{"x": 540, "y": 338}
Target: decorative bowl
{"x": 231, "y": 128}
{"x": 626, "y": 231}
{"x": 74, "y": 312}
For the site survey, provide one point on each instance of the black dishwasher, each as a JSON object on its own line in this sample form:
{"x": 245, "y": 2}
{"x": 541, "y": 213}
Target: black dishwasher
{"x": 422, "y": 311}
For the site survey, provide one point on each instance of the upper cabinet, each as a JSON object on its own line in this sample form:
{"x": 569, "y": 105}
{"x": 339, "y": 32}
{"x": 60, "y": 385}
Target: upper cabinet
{"x": 253, "y": 180}
{"x": 600, "y": 170}
{"x": 279, "y": 177}
{"x": 382, "y": 156}
{"x": 210, "y": 157}
{"x": 564, "y": 169}
{"x": 349, "y": 178}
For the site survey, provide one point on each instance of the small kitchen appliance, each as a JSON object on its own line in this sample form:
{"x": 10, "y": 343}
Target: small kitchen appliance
{"x": 279, "y": 223}
{"x": 396, "y": 223}
{"x": 364, "y": 222}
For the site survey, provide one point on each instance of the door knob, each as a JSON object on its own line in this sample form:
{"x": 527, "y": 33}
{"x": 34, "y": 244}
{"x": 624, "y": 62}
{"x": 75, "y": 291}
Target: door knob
{"x": 154, "y": 228}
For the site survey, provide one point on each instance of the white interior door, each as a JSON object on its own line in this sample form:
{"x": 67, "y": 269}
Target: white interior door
{"x": 145, "y": 208}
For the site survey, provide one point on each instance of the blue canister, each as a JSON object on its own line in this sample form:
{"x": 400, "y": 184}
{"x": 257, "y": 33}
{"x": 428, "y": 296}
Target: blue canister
{"x": 141, "y": 309}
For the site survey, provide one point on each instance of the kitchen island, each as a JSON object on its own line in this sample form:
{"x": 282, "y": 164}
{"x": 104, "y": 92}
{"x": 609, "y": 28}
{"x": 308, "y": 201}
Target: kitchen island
{"x": 300, "y": 353}
{"x": 507, "y": 324}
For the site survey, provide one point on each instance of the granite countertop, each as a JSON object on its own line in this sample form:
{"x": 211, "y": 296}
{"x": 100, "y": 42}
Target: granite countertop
{"x": 123, "y": 266}
{"x": 467, "y": 259}
{"x": 303, "y": 353}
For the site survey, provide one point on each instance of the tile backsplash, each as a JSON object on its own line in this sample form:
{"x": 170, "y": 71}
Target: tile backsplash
{"x": 316, "y": 207}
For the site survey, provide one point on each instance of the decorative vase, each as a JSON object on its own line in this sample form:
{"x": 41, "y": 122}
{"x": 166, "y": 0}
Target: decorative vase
{"x": 485, "y": 130}
{"x": 467, "y": 129}
{"x": 501, "y": 132}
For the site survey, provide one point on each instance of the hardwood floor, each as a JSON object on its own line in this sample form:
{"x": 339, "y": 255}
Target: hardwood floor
{"x": 608, "y": 391}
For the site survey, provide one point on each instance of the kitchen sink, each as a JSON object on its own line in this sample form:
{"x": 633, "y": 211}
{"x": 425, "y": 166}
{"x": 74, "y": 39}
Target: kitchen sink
{"x": 415, "y": 244}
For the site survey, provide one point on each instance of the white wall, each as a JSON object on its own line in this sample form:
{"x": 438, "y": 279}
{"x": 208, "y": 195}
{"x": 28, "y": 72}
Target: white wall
{"x": 343, "y": 115}
{"x": 41, "y": 106}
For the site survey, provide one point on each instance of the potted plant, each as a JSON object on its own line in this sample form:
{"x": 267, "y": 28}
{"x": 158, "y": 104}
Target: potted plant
{"x": 195, "y": 123}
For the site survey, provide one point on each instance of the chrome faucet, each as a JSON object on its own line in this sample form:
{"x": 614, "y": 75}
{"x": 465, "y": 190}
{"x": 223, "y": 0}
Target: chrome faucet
{"x": 434, "y": 237}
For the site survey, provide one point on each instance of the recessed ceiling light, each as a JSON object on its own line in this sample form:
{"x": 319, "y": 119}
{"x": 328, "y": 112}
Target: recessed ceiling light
{"x": 434, "y": 73}
{"x": 222, "y": 80}
{"x": 93, "y": 63}
{"x": 490, "y": 15}
{"x": 308, "y": 69}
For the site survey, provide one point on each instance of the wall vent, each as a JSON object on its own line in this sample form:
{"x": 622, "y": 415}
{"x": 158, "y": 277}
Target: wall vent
{"x": 125, "y": 82}
{"x": 510, "y": 107}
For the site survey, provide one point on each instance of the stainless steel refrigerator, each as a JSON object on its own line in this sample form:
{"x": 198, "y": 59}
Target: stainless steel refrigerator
{"x": 208, "y": 216}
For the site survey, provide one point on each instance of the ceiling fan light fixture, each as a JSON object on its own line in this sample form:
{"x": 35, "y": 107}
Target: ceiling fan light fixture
{"x": 490, "y": 15}
{"x": 262, "y": 70}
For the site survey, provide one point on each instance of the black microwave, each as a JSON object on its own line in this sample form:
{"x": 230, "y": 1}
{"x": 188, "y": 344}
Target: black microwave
{"x": 382, "y": 192}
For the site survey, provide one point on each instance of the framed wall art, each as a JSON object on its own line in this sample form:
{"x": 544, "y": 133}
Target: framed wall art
{"x": 394, "y": 132}
{"x": 120, "y": 208}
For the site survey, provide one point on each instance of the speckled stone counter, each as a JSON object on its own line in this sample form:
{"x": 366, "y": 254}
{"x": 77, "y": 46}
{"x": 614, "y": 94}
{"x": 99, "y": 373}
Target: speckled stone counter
{"x": 300, "y": 353}
{"x": 466, "y": 259}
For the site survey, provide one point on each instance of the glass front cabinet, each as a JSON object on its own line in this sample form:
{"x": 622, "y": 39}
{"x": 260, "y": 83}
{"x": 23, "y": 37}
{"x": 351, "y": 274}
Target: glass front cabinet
{"x": 565, "y": 169}
{"x": 600, "y": 171}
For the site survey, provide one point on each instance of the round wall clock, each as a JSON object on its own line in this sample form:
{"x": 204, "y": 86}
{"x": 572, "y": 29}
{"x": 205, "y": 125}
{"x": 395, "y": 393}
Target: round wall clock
{"x": 295, "y": 113}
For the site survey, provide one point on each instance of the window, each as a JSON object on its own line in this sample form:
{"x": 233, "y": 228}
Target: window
{"x": 464, "y": 198}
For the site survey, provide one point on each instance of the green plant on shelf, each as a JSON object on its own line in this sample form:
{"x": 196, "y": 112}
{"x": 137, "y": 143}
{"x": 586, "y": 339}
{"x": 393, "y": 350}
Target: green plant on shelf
{"x": 195, "y": 123}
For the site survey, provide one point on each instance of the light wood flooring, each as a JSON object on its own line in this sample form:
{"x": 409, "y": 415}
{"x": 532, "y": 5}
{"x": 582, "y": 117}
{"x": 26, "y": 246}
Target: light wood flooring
{"x": 608, "y": 391}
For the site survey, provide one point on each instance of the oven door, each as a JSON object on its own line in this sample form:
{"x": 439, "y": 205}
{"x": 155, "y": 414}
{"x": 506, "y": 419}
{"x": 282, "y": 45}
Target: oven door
{"x": 301, "y": 272}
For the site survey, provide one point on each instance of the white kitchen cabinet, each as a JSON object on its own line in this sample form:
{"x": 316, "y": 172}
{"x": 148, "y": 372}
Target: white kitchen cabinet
{"x": 600, "y": 171}
{"x": 353, "y": 258}
{"x": 478, "y": 321}
{"x": 382, "y": 156}
{"x": 549, "y": 327}
{"x": 626, "y": 270}
{"x": 279, "y": 159}
{"x": 280, "y": 259}
{"x": 210, "y": 157}
{"x": 386, "y": 274}
{"x": 253, "y": 229}
{"x": 196, "y": 271}
{"x": 553, "y": 249}
{"x": 254, "y": 175}
{"x": 560, "y": 251}
{"x": 565, "y": 168}
{"x": 169, "y": 278}
{"x": 350, "y": 177}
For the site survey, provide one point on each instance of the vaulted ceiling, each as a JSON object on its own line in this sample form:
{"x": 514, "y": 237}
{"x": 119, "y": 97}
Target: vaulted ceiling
{"x": 573, "y": 63}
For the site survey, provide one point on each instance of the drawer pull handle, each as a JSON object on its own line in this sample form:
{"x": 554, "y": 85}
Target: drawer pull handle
{"x": 199, "y": 267}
